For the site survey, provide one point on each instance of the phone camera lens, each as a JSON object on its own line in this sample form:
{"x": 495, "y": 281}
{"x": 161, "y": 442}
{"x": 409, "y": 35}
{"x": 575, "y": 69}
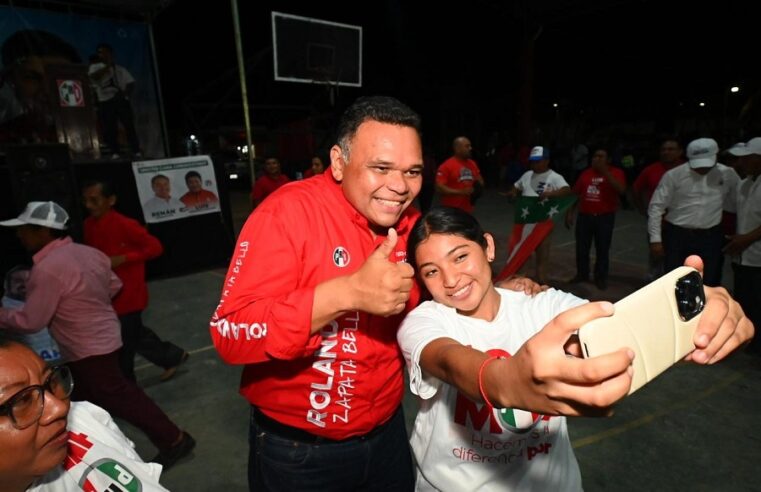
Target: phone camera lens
{"x": 690, "y": 297}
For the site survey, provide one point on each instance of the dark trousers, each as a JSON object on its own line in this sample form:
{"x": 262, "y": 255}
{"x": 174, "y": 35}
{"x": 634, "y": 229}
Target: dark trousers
{"x": 597, "y": 228}
{"x": 379, "y": 461}
{"x": 748, "y": 294}
{"x": 138, "y": 338}
{"x": 111, "y": 112}
{"x": 679, "y": 243}
{"x": 99, "y": 380}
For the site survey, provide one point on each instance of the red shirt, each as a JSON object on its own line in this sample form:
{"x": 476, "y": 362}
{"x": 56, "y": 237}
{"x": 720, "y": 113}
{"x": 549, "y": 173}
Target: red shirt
{"x": 115, "y": 234}
{"x": 201, "y": 199}
{"x": 457, "y": 174}
{"x": 596, "y": 194}
{"x": 265, "y": 185}
{"x": 648, "y": 179}
{"x": 342, "y": 381}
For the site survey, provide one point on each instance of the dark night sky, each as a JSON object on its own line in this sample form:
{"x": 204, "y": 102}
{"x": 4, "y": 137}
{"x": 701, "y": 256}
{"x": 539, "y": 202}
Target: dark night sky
{"x": 629, "y": 58}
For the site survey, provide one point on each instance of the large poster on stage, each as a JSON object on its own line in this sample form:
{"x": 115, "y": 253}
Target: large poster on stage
{"x": 171, "y": 189}
{"x": 115, "y": 60}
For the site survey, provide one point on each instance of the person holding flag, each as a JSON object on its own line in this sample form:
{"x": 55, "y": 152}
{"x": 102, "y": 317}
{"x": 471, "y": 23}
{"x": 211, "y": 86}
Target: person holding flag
{"x": 543, "y": 184}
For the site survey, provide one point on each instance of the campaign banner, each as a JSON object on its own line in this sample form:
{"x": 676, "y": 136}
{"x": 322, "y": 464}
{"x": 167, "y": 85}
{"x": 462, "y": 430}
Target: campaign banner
{"x": 177, "y": 188}
{"x": 33, "y": 40}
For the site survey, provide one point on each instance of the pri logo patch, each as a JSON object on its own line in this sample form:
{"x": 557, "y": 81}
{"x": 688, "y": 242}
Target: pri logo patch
{"x": 341, "y": 257}
{"x": 70, "y": 93}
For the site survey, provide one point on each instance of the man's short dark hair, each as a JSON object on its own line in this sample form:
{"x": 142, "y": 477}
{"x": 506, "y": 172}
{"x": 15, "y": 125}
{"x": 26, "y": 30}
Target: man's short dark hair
{"x": 33, "y": 42}
{"x": 192, "y": 174}
{"x": 106, "y": 189}
{"x": 383, "y": 109}
{"x": 157, "y": 177}
{"x": 104, "y": 46}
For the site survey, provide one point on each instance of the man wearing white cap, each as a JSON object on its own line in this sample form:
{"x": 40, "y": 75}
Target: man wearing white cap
{"x": 684, "y": 216}
{"x": 541, "y": 181}
{"x": 745, "y": 246}
{"x": 70, "y": 290}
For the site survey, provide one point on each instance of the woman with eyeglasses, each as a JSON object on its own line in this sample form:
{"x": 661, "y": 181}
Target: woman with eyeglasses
{"x": 49, "y": 444}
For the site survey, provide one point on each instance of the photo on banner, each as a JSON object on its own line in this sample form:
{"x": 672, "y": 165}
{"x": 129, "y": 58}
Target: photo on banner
{"x": 177, "y": 188}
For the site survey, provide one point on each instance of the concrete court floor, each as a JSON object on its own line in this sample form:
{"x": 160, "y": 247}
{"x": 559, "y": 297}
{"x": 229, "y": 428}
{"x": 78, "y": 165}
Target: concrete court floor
{"x": 694, "y": 428}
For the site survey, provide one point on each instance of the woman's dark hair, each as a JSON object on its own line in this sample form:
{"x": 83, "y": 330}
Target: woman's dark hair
{"x": 444, "y": 220}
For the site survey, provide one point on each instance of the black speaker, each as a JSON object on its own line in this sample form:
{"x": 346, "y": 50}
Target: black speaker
{"x": 43, "y": 172}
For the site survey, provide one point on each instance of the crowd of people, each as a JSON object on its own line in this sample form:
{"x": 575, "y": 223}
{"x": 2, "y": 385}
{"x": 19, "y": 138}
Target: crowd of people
{"x": 335, "y": 282}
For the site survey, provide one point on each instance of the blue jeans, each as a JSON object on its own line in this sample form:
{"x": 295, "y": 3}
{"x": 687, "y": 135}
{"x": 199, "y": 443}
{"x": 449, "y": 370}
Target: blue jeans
{"x": 380, "y": 461}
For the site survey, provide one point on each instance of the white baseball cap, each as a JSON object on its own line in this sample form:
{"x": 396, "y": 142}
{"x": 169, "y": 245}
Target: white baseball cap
{"x": 752, "y": 147}
{"x": 45, "y": 214}
{"x": 701, "y": 153}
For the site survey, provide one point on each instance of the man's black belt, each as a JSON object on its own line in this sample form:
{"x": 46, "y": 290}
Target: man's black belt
{"x": 710, "y": 230}
{"x": 295, "y": 434}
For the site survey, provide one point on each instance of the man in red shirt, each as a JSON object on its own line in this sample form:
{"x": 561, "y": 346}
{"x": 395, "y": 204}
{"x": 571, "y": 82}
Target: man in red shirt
{"x": 128, "y": 245}
{"x": 598, "y": 188}
{"x": 458, "y": 177}
{"x": 671, "y": 155}
{"x": 311, "y": 303}
{"x": 268, "y": 182}
{"x": 197, "y": 198}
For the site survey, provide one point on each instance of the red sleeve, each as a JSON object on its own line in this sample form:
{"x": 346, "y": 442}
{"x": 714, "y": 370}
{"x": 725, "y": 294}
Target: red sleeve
{"x": 442, "y": 175}
{"x": 265, "y": 311}
{"x": 639, "y": 183}
{"x": 476, "y": 171}
{"x": 142, "y": 246}
{"x": 620, "y": 176}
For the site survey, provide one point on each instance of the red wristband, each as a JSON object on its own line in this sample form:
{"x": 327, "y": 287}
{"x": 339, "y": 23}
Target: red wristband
{"x": 480, "y": 377}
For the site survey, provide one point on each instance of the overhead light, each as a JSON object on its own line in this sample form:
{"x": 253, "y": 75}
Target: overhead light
{"x": 233, "y": 176}
{"x": 734, "y": 88}
{"x": 702, "y": 105}
{"x": 554, "y": 105}
{"x": 192, "y": 137}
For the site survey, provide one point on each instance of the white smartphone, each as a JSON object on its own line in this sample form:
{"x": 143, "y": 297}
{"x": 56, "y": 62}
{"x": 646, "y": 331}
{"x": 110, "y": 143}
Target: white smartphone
{"x": 658, "y": 322}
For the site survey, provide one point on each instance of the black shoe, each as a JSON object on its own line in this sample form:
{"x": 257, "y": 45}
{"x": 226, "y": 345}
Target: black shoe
{"x": 601, "y": 283}
{"x": 578, "y": 279}
{"x": 168, "y": 457}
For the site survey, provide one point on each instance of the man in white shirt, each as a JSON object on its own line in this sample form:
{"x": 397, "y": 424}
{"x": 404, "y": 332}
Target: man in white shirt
{"x": 684, "y": 216}
{"x": 543, "y": 182}
{"x": 162, "y": 205}
{"x": 113, "y": 86}
{"x": 745, "y": 246}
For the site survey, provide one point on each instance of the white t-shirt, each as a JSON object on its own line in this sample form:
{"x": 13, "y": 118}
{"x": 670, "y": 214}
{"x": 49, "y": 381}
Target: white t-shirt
{"x": 749, "y": 218}
{"x": 111, "y": 82}
{"x": 100, "y": 457}
{"x": 457, "y": 443}
{"x": 533, "y": 184}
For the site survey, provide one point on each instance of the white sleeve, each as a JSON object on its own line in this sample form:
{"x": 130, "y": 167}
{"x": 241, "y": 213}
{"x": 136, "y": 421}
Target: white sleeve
{"x": 558, "y": 181}
{"x": 421, "y": 326}
{"x": 731, "y": 183}
{"x": 125, "y": 77}
{"x": 549, "y": 304}
{"x": 658, "y": 205}
{"x": 524, "y": 181}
